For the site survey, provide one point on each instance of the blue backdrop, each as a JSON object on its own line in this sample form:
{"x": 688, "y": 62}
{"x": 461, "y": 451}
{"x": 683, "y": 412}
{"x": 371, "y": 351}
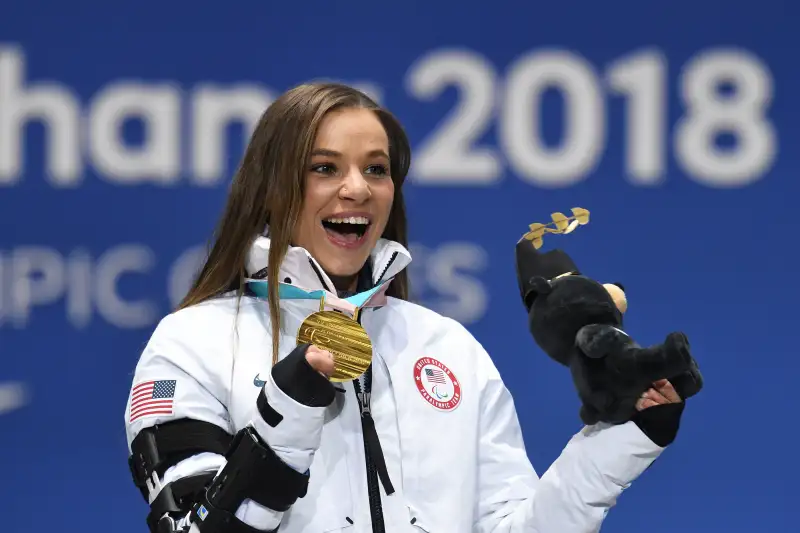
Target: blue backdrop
{"x": 674, "y": 123}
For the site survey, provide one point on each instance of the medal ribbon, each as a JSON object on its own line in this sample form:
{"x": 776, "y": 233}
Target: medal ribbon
{"x": 374, "y": 297}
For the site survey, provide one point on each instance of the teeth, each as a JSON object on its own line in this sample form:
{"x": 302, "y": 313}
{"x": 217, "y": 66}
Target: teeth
{"x": 348, "y": 220}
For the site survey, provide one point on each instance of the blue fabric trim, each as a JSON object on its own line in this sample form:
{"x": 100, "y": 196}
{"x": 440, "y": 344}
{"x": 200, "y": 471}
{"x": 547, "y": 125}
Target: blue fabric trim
{"x": 290, "y": 292}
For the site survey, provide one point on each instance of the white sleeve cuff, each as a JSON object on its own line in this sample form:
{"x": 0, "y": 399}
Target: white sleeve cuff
{"x": 619, "y": 453}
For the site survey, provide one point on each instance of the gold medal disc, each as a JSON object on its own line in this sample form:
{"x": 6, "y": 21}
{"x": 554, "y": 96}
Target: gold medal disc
{"x": 344, "y": 337}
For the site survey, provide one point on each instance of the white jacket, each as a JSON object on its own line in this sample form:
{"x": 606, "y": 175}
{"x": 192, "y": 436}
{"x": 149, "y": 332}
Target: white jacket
{"x": 455, "y": 469}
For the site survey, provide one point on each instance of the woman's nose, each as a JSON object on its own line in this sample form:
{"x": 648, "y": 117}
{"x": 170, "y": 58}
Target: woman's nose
{"x": 355, "y": 187}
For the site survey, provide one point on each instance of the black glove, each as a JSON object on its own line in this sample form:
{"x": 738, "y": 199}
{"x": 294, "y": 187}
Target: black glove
{"x": 298, "y": 380}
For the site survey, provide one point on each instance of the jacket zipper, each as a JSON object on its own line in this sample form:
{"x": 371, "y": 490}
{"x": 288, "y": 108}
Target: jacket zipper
{"x": 373, "y": 488}
{"x": 386, "y": 268}
{"x": 377, "y": 472}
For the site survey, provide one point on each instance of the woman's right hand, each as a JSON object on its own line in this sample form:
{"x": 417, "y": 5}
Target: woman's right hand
{"x": 320, "y": 360}
{"x": 304, "y": 376}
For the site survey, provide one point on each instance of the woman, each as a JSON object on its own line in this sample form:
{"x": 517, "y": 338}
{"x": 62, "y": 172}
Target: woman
{"x": 234, "y": 427}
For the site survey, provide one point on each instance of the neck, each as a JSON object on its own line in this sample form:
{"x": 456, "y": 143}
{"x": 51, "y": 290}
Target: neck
{"x": 360, "y": 281}
{"x": 344, "y": 283}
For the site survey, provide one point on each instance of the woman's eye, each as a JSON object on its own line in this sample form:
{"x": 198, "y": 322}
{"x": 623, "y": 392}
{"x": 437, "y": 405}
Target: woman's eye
{"x": 380, "y": 170}
{"x": 324, "y": 168}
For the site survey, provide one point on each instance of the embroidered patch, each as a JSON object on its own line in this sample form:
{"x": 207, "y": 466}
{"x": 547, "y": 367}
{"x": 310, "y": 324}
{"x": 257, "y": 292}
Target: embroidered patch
{"x": 437, "y": 384}
{"x": 152, "y": 398}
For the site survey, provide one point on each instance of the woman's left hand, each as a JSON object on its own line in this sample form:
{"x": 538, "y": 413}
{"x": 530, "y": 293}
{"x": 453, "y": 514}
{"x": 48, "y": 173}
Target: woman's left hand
{"x": 662, "y": 392}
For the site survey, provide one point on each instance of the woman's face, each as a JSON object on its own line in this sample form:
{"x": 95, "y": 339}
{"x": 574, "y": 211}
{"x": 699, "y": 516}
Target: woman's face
{"x": 349, "y": 193}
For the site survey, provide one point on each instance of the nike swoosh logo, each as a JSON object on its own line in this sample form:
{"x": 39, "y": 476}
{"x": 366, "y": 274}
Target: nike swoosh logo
{"x": 258, "y": 382}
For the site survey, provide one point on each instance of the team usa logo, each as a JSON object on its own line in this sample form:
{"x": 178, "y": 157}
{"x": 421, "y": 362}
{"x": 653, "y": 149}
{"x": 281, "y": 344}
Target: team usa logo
{"x": 437, "y": 384}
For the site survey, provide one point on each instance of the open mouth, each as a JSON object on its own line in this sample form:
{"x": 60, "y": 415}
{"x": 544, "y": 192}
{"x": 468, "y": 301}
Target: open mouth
{"x": 347, "y": 231}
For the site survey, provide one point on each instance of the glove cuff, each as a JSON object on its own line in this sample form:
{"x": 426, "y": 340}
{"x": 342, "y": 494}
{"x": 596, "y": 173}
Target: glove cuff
{"x": 661, "y": 422}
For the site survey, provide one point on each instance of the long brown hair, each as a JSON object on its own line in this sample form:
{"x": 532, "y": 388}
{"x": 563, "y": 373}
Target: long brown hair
{"x": 268, "y": 190}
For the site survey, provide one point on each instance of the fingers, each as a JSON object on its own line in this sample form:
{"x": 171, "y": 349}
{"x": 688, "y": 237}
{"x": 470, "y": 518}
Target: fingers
{"x": 661, "y": 393}
{"x": 320, "y": 360}
{"x": 644, "y": 403}
{"x": 665, "y": 388}
{"x": 655, "y": 395}
{"x": 649, "y": 398}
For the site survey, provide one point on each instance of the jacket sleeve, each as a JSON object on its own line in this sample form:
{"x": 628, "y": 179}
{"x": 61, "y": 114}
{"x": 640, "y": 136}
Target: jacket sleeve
{"x": 574, "y": 495}
{"x": 184, "y": 374}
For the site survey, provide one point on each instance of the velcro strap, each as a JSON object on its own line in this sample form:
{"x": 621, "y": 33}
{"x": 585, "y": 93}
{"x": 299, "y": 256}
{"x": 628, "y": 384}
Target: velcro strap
{"x": 255, "y": 472}
{"x": 159, "y": 447}
{"x": 268, "y": 413}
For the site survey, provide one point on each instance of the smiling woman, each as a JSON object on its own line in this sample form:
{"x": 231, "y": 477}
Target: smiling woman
{"x": 316, "y": 212}
{"x": 349, "y": 194}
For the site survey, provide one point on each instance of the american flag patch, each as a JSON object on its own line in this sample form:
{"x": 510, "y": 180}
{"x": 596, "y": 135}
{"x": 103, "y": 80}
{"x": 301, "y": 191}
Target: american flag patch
{"x": 152, "y": 398}
{"x": 434, "y": 375}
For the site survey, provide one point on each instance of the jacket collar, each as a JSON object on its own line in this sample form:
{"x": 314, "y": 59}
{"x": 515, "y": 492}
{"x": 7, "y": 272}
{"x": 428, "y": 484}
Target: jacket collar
{"x": 388, "y": 259}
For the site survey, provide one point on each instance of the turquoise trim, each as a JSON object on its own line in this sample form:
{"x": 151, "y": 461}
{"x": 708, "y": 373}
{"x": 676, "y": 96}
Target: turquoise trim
{"x": 290, "y": 292}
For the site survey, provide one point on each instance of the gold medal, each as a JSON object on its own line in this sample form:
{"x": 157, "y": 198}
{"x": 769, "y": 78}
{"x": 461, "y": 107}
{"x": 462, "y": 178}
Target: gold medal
{"x": 343, "y": 337}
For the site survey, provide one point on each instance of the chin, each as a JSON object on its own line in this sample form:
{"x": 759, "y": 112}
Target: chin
{"x": 343, "y": 268}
